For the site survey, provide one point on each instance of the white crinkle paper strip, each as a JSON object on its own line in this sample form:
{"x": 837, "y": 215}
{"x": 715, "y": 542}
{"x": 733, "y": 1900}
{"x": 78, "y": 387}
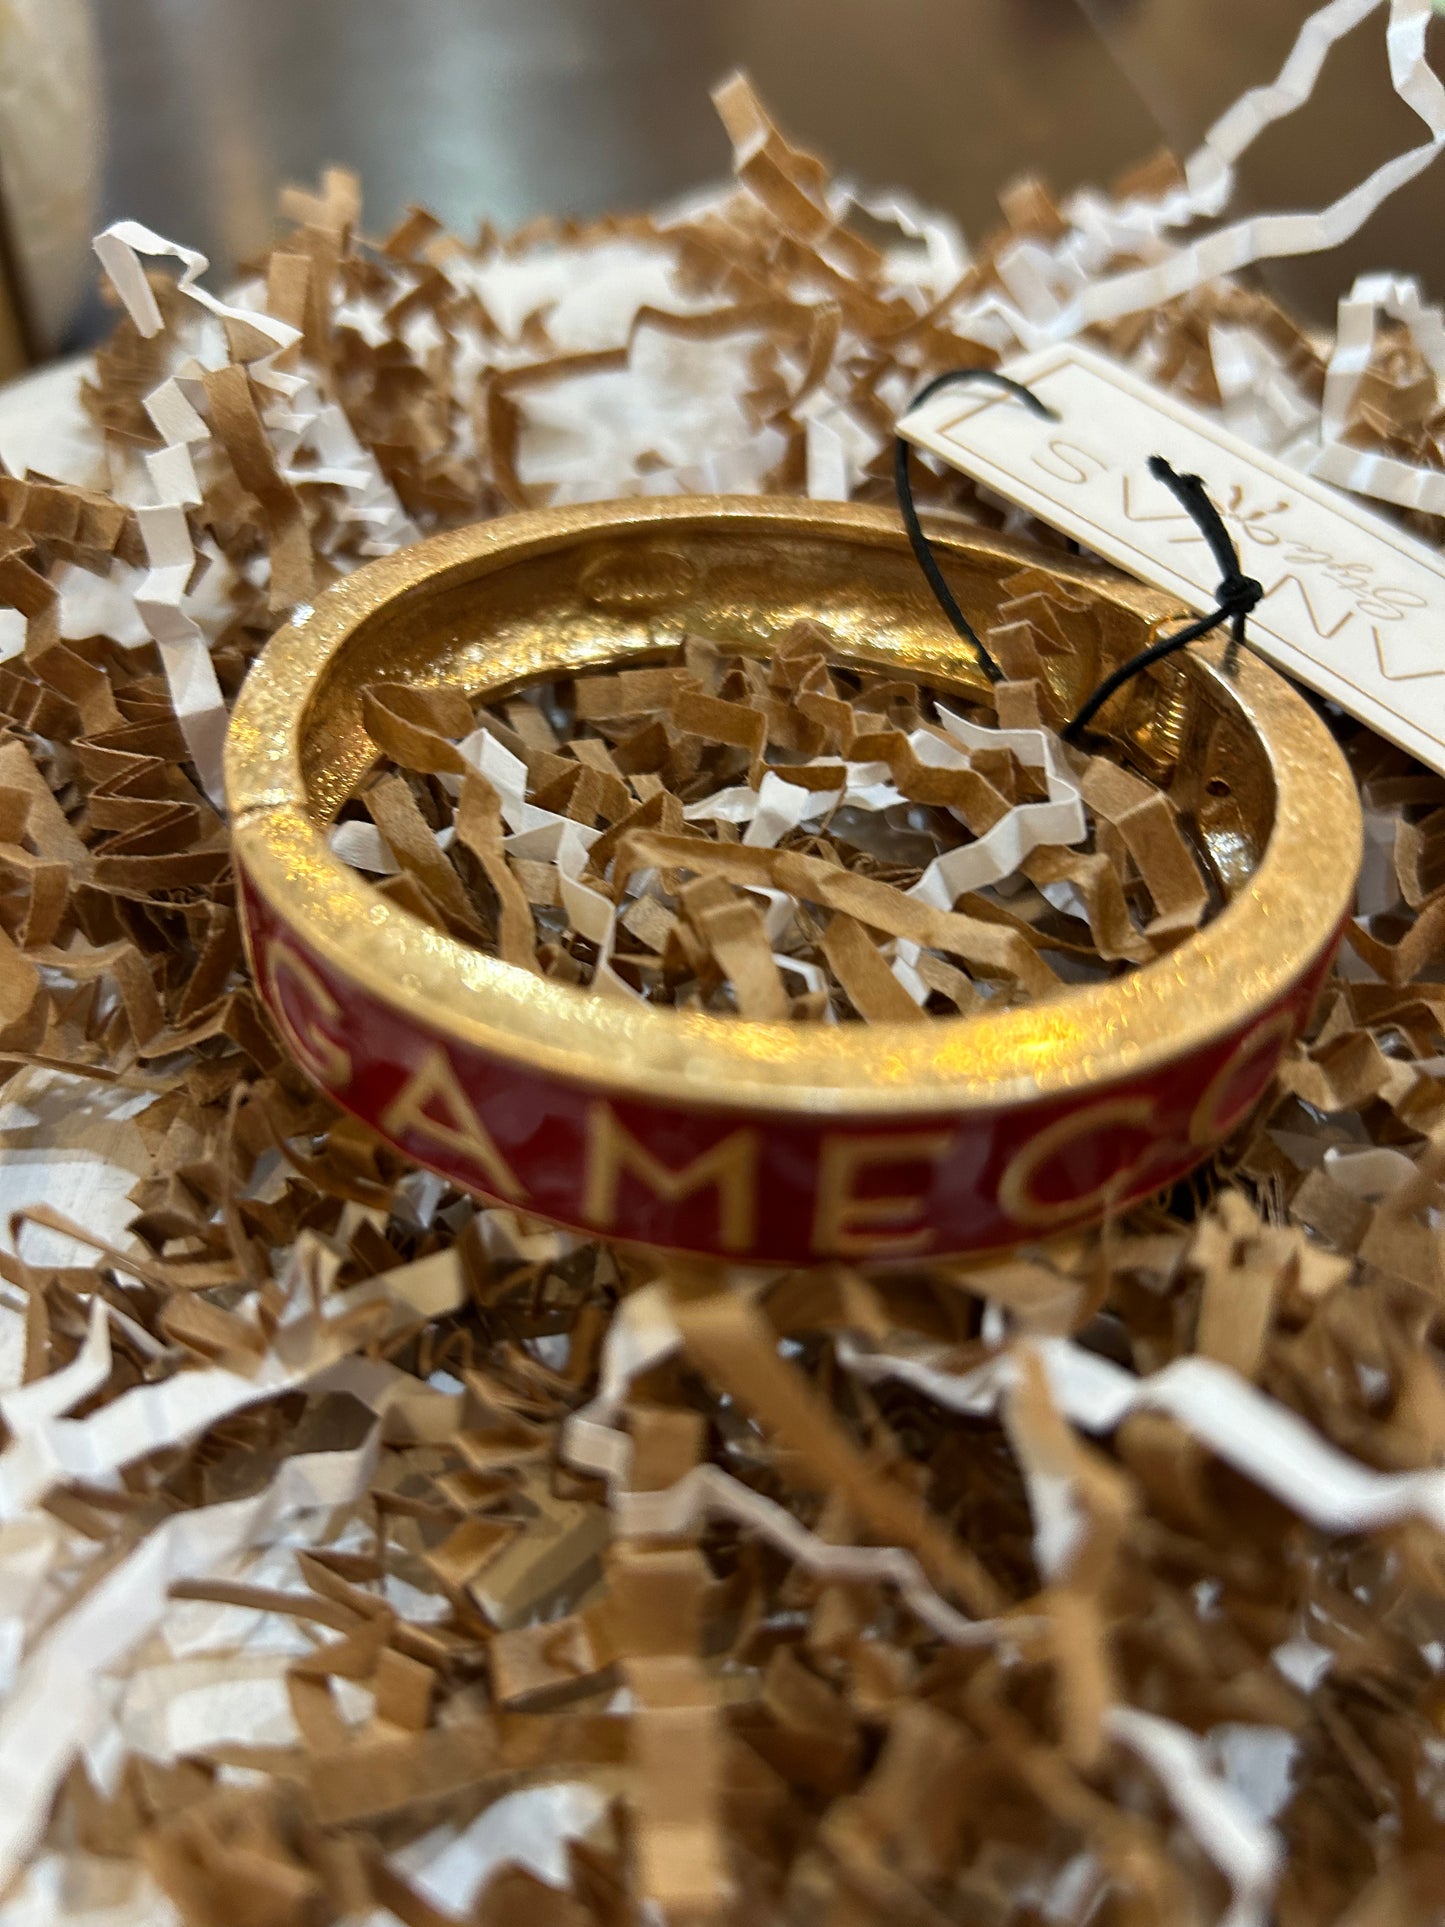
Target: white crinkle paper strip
{"x": 1246, "y": 1428}
{"x": 296, "y": 417}
{"x": 62, "y": 1666}
{"x": 60, "y": 1700}
{"x": 1249, "y": 1430}
{"x": 768, "y": 813}
{"x": 677, "y": 400}
{"x": 1365, "y": 471}
{"x": 642, "y": 1335}
{"x": 1243, "y": 1426}
{"x": 1057, "y": 291}
{"x": 58, "y": 1663}
{"x": 1259, "y": 1438}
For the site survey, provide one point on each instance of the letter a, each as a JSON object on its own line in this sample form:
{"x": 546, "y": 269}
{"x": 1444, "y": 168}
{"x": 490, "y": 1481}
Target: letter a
{"x": 457, "y": 1128}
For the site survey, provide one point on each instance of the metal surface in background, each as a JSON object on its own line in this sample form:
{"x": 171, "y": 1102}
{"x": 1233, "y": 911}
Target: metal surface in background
{"x": 500, "y": 110}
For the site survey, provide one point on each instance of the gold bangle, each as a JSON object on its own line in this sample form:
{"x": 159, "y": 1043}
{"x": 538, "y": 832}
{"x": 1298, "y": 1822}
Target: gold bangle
{"x": 774, "y": 1143}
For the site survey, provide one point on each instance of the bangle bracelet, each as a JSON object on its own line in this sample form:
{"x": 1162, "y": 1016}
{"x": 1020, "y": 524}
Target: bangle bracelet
{"x": 768, "y": 1142}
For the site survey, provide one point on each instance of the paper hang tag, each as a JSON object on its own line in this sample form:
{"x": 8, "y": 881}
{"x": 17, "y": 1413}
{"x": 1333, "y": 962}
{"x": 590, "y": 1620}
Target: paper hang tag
{"x": 1352, "y": 607}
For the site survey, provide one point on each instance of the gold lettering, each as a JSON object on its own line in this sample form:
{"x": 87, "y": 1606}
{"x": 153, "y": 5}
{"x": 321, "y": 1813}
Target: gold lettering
{"x": 847, "y": 1226}
{"x": 731, "y": 1165}
{"x": 458, "y": 1129}
{"x": 1016, "y": 1190}
{"x": 1216, "y": 1117}
{"x": 317, "y": 1052}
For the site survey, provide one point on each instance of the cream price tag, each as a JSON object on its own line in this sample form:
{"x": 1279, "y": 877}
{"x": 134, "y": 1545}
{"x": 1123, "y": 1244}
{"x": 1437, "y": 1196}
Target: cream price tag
{"x": 1352, "y": 607}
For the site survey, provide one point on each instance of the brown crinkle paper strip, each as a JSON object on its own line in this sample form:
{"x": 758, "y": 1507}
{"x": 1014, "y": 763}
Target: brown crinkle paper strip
{"x": 369, "y": 1554}
{"x": 790, "y": 841}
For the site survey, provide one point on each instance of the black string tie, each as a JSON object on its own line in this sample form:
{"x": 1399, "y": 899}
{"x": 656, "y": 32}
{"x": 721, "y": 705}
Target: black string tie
{"x": 922, "y": 548}
{"x": 1236, "y": 597}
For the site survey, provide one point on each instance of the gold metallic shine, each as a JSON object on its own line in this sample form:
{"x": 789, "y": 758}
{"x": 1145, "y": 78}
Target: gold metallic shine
{"x": 1258, "y": 777}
